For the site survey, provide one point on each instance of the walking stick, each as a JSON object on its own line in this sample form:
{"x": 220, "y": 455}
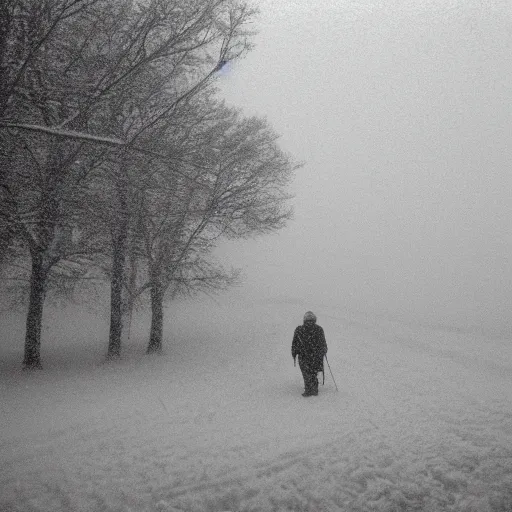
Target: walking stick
{"x": 329, "y": 366}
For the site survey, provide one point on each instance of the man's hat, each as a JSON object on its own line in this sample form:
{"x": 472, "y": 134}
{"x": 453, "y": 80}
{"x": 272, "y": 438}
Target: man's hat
{"x": 310, "y": 316}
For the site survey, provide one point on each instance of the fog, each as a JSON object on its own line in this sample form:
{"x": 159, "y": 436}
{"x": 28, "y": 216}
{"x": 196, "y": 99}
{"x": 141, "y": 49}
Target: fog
{"x": 401, "y": 113}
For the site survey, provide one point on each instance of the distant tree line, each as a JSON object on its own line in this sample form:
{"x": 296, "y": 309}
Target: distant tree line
{"x": 118, "y": 162}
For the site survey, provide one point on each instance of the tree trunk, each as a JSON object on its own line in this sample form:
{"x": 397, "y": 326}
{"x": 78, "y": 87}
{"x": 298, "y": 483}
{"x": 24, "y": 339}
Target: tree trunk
{"x": 32, "y": 357}
{"x": 116, "y": 290}
{"x": 157, "y": 317}
{"x": 116, "y": 284}
{"x": 132, "y": 284}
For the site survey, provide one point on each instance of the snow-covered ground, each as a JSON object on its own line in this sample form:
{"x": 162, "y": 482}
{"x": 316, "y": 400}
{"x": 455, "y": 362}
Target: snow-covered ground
{"x": 422, "y": 420}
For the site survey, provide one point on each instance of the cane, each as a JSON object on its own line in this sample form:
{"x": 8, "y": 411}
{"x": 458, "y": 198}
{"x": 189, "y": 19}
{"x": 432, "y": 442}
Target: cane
{"x": 329, "y": 366}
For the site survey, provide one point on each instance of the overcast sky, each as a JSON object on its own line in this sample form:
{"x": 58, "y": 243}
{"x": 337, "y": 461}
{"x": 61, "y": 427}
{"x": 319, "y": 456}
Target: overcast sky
{"x": 402, "y": 113}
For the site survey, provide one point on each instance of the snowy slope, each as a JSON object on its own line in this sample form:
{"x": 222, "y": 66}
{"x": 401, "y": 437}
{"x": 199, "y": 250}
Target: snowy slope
{"x": 422, "y": 420}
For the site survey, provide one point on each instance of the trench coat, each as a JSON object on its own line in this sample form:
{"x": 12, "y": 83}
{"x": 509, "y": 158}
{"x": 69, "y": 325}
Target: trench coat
{"x": 310, "y": 345}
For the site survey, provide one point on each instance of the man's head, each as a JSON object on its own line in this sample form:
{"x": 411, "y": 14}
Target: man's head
{"x": 310, "y": 317}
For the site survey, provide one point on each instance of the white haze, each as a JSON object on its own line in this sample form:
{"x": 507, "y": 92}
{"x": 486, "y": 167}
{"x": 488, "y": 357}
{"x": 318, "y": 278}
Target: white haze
{"x": 401, "y": 112}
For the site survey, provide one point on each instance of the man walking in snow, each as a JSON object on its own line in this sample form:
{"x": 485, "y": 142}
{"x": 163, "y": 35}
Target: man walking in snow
{"x": 310, "y": 345}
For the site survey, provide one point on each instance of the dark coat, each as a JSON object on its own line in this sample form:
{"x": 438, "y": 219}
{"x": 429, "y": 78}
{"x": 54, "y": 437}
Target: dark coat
{"x": 310, "y": 345}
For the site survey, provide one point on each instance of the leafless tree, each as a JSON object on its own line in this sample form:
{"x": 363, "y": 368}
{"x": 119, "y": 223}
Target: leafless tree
{"x": 63, "y": 64}
{"x": 231, "y": 184}
{"x": 143, "y": 116}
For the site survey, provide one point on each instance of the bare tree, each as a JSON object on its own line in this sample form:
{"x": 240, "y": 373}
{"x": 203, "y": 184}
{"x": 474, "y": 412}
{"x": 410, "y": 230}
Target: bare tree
{"x": 62, "y": 63}
{"x": 232, "y": 184}
{"x": 142, "y": 118}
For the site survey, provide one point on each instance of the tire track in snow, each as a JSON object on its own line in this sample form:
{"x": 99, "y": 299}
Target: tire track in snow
{"x": 268, "y": 469}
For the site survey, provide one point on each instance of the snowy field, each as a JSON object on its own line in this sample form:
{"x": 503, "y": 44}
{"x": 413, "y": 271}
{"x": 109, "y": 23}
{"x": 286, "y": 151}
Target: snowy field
{"x": 422, "y": 420}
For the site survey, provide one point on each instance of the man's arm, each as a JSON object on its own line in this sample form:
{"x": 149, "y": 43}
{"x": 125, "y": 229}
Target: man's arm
{"x": 295, "y": 343}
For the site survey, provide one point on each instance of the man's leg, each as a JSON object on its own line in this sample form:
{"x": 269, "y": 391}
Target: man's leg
{"x": 305, "y": 377}
{"x": 314, "y": 383}
{"x": 309, "y": 382}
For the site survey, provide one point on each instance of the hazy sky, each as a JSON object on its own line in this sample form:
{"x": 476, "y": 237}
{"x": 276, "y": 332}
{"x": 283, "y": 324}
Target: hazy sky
{"x": 402, "y": 113}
